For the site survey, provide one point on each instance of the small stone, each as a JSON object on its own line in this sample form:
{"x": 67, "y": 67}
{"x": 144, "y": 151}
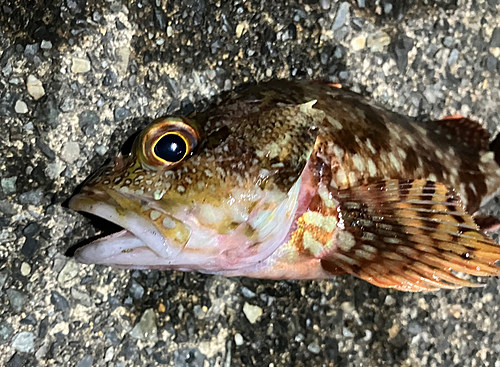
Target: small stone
{"x": 452, "y": 59}
{"x": 430, "y": 94}
{"x": 21, "y": 107}
{"x": 46, "y": 45}
{"x": 33, "y": 197}
{"x": 110, "y": 353}
{"x": 25, "y": 269}
{"x": 491, "y": 63}
{"x": 495, "y": 38}
{"x": 401, "y": 49}
{"x": 456, "y": 311}
{"x": 68, "y": 273}
{"x": 448, "y": 41}
{"x": 136, "y": 290}
{"x": 347, "y": 333}
{"x": 253, "y": 313}
{"x": 23, "y": 342}
{"x": 60, "y": 303}
{"x": 314, "y": 348}
{"x": 9, "y": 185}
{"x": 341, "y": 16}
{"x": 495, "y": 51}
{"x": 29, "y": 320}
{"x": 368, "y": 335}
{"x": 358, "y": 43}
{"x": 121, "y": 113}
{"x": 211, "y": 74}
{"x": 54, "y": 169}
{"x": 145, "y": 329}
{"x": 240, "y": 29}
{"x": 31, "y": 50}
{"x": 7, "y": 69}
{"x": 123, "y": 56}
{"x": 6, "y": 331}
{"x": 361, "y": 3}
{"x": 70, "y": 152}
{"x": 414, "y": 328}
{"x": 80, "y": 66}
{"x": 16, "y": 299}
{"x": 60, "y": 328}
{"x": 42, "y": 352}
{"x": 86, "y": 361}
{"x": 390, "y": 301}
{"x": 109, "y": 78}
{"x": 87, "y": 120}
{"x": 67, "y": 105}
{"x": 325, "y": 4}
{"x": 35, "y": 87}
{"x": 100, "y": 149}
{"x": 7, "y": 208}
{"x": 387, "y": 8}
{"x": 45, "y": 149}
{"x": 6, "y": 236}
{"x": 30, "y": 247}
{"x": 3, "y": 278}
{"x": 347, "y": 307}
{"x": 377, "y": 41}
{"x": 81, "y": 297}
{"x": 238, "y": 339}
{"x": 247, "y": 292}
{"x": 187, "y": 357}
{"x": 198, "y": 312}
{"x": 16, "y": 361}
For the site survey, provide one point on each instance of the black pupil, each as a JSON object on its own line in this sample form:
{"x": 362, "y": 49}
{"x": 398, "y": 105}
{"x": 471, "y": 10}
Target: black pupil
{"x": 171, "y": 148}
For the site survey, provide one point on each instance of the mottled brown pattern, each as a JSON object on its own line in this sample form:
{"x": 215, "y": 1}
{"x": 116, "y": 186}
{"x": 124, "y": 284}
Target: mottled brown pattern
{"x": 409, "y": 237}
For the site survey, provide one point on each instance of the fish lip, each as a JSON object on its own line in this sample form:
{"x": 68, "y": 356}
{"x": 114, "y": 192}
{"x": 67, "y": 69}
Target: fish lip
{"x": 101, "y": 204}
{"x": 92, "y": 253}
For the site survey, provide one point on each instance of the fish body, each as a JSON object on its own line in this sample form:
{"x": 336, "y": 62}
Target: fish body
{"x": 300, "y": 180}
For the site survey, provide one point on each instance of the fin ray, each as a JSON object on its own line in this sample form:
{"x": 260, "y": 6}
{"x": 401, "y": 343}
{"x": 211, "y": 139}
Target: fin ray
{"x": 410, "y": 235}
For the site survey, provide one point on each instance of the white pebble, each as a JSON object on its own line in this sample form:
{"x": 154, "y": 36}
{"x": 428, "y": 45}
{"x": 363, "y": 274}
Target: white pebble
{"x": 35, "y": 87}
{"x": 238, "y": 339}
{"x": 25, "y": 269}
{"x": 252, "y": 312}
{"x": 21, "y": 107}
{"x": 79, "y": 66}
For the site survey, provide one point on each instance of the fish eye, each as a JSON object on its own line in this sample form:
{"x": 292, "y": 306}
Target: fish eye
{"x": 172, "y": 147}
{"x": 168, "y": 141}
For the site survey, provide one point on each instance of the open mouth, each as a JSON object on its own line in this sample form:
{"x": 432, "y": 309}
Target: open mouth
{"x": 138, "y": 244}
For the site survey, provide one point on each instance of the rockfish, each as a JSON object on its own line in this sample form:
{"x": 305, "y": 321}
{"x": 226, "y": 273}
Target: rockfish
{"x": 301, "y": 180}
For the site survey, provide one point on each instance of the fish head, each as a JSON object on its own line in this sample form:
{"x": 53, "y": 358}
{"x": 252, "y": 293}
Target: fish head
{"x": 213, "y": 192}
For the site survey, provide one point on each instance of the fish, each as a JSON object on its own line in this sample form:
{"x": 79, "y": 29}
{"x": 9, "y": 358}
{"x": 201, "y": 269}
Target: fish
{"x": 301, "y": 180}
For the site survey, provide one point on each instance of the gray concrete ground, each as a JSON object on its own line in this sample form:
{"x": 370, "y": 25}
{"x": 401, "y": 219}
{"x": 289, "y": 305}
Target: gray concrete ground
{"x": 76, "y": 78}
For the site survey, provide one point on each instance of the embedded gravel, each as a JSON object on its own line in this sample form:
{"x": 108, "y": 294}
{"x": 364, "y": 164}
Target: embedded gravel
{"x": 77, "y": 78}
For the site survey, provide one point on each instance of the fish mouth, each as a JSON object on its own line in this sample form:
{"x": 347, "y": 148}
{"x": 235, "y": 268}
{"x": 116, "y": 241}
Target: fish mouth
{"x": 139, "y": 245}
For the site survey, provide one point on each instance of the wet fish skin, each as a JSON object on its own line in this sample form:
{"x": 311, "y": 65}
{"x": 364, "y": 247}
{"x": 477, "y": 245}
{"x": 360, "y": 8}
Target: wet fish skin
{"x": 302, "y": 180}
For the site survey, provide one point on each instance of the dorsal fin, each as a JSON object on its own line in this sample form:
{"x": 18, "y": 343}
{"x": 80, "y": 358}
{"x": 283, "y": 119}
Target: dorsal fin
{"x": 465, "y": 129}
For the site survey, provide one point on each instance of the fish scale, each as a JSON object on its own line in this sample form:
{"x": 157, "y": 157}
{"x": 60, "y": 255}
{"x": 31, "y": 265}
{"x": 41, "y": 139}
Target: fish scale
{"x": 302, "y": 180}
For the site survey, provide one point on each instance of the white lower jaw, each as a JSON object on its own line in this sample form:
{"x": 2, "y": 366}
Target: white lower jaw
{"x": 138, "y": 227}
{"x": 115, "y": 247}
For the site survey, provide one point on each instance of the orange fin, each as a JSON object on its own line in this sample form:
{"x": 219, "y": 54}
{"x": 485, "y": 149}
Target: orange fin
{"x": 409, "y": 235}
{"x": 465, "y": 129}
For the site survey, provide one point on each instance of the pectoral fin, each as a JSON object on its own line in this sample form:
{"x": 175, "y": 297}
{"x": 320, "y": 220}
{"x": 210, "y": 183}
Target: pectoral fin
{"x": 409, "y": 235}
